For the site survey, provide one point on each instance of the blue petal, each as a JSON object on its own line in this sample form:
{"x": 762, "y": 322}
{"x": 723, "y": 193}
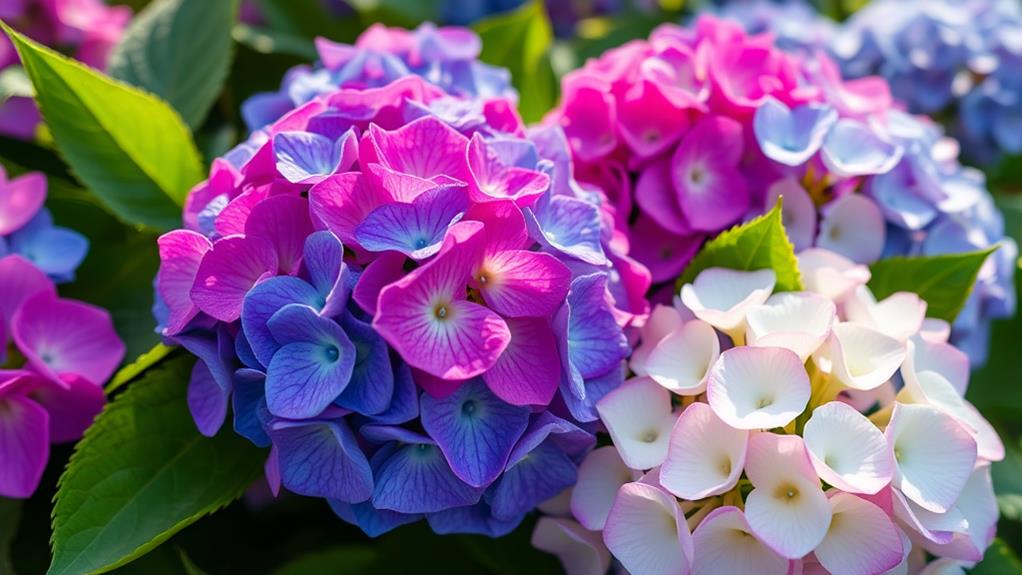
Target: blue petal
{"x": 245, "y": 353}
{"x": 583, "y": 408}
{"x": 249, "y": 403}
{"x": 791, "y": 137}
{"x": 215, "y": 349}
{"x": 595, "y": 341}
{"x": 312, "y": 368}
{"x": 322, "y": 459}
{"x": 417, "y": 229}
{"x": 323, "y": 259}
{"x": 404, "y": 404}
{"x": 372, "y": 378}
{"x": 263, "y": 109}
{"x": 568, "y": 225}
{"x": 373, "y": 522}
{"x": 476, "y": 519}
{"x": 56, "y": 251}
{"x": 475, "y": 430}
{"x": 852, "y": 148}
{"x": 417, "y": 479}
{"x": 266, "y": 299}
{"x": 543, "y": 473}
{"x": 207, "y": 401}
{"x": 567, "y": 436}
{"x": 304, "y": 156}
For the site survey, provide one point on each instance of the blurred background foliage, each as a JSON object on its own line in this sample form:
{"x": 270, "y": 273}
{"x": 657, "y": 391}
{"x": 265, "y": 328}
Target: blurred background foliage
{"x": 538, "y": 42}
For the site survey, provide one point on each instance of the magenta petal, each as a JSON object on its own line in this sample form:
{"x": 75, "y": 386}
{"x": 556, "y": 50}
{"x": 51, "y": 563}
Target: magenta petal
{"x": 492, "y": 179}
{"x": 435, "y": 386}
{"x": 397, "y": 186}
{"x": 284, "y": 222}
{"x": 520, "y": 283}
{"x": 231, "y": 220}
{"x": 19, "y": 279}
{"x": 425, "y": 317}
{"x": 589, "y": 118}
{"x": 72, "y": 407}
{"x": 425, "y": 148}
{"x": 528, "y": 371}
{"x": 712, "y": 192}
{"x": 663, "y": 253}
{"x": 60, "y": 337}
{"x": 342, "y": 201}
{"x": 24, "y": 446}
{"x": 228, "y": 271}
{"x": 649, "y": 121}
{"x": 384, "y": 270}
{"x": 654, "y": 192}
{"x": 181, "y": 252}
{"x": 20, "y": 199}
{"x": 504, "y": 225}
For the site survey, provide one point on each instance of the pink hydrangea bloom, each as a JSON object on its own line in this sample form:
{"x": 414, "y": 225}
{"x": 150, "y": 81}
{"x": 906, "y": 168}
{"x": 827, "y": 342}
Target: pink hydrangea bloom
{"x": 768, "y": 435}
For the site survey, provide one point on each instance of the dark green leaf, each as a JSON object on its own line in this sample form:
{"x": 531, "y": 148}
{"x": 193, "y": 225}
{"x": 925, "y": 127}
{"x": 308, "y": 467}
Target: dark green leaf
{"x": 760, "y": 243}
{"x": 520, "y": 41}
{"x": 179, "y": 50}
{"x": 404, "y": 13}
{"x": 1007, "y": 478}
{"x": 136, "y": 368}
{"x": 10, "y": 514}
{"x": 142, "y": 473}
{"x": 127, "y": 146}
{"x": 190, "y": 567}
{"x": 269, "y": 41}
{"x": 945, "y": 281}
{"x": 341, "y": 560}
{"x": 999, "y": 560}
{"x": 308, "y": 19}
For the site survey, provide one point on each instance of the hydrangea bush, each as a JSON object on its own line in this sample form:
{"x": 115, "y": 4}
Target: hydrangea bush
{"x": 55, "y": 353}
{"x": 699, "y": 128}
{"x": 407, "y": 296}
{"x": 86, "y": 29}
{"x": 785, "y": 446}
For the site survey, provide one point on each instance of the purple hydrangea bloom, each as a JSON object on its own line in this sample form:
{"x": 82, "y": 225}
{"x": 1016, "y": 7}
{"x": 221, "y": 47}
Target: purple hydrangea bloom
{"x": 407, "y": 297}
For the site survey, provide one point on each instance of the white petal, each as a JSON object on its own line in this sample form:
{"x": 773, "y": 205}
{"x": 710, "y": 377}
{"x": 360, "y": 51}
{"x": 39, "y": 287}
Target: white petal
{"x": 639, "y": 419}
{"x": 935, "y": 330}
{"x": 799, "y": 321}
{"x": 861, "y": 539}
{"x": 798, "y": 211}
{"x": 829, "y": 274}
{"x": 899, "y": 315}
{"x": 662, "y": 321}
{"x": 647, "y": 533}
{"x": 934, "y": 455}
{"x": 906, "y": 545}
{"x": 758, "y": 387}
{"x": 978, "y": 505}
{"x": 581, "y": 552}
{"x": 724, "y": 543}
{"x": 941, "y": 359}
{"x": 944, "y": 567}
{"x": 681, "y": 361}
{"x": 847, "y": 450}
{"x": 600, "y": 475}
{"x": 862, "y": 357}
{"x": 787, "y": 510}
{"x": 721, "y": 296}
{"x": 934, "y": 527}
{"x": 706, "y": 455}
{"x": 854, "y": 227}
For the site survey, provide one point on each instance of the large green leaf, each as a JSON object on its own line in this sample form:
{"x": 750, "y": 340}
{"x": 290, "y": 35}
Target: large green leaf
{"x": 999, "y": 560}
{"x": 179, "y": 50}
{"x": 127, "y": 146}
{"x": 520, "y": 41}
{"x": 945, "y": 281}
{"x": 133, "y": 370}
{"x": 760, "y": 243}
{"x": 142, "y": 473}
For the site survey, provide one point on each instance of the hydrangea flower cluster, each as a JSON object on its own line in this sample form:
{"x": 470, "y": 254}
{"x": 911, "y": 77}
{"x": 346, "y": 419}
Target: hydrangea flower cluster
{"x": 445, "y": 57}
{"x": 55, "y": 354}
{"x": 85, "y": 29}
{"x": 954, "y": 58}
{"x": 699, "y": 128}
{"x": 826, "y": 432}
{"x": 409, "y": 298}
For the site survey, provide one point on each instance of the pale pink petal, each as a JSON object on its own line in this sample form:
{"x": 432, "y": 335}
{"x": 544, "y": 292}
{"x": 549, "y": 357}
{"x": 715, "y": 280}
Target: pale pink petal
{"x": 829, "y": 274}
{"x": 661, "y": 322}
{"x": 721, "y": 297}
{"x": 639, "y": 419}
{"x": 705, "y": 457}
{"x": 799, "y": 321}
{"x": 864, "y": 465}
{"x": 862, "y": 357}
{"x": 581, "y": 552}
{"x": 724, "y": 543}
{"x": 758, "y": 387}
{"x": 646, "y": 531}
{"x": 600, "y": 476}
{"x": 899, "y": 315}
{"x": 861, "y": 540}
{"x": 682, "y": 360}
{"x": 853, "y": 226}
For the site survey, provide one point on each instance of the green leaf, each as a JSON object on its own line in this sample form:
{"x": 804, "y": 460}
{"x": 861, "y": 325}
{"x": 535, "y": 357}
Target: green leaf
{"x": 521, "y": 41}
{"x": 760, "y": 243}
{"x": 179, "y": 50}
{"x": 308, "y": 18}
{"x": 999, "y": 560}
{"x": 343, "y": 559}
{"x": 190, "y": 567}
{"x": 944, "y": 281}
{"x": 127, "y": 146}
{"x": 269, "y": 41}
{"x": 141, "y": 365}
{"x": 10, "y": 514}
{"x": 142, "y": 473}
{"x": 1007, "y": 478}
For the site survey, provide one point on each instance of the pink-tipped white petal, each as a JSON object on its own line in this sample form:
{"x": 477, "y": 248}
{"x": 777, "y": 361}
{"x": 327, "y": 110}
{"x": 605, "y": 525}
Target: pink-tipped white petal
{"x": 581, "y": 552}
{"x": 661, "y": 322}
{"x": 935, "y": 330}
{"x": 706, "y": 455}
{"x": 724, "y": 543}
{"x": 862, "y": 539}
{"x": 899, "y": 315}
{"x": 721, "y": 297}
{"x": 682, "y": 360}
{"x": 936, "y": 359}
{"x": 758, "y": 387}
{"x": 787, "y": 510}
{"x": 847, "y": 450}
{"x": 639, "y": 419}
{"x": 862, "y": 357}
{"x": 938, "y": 528}
{"x": 978, "y": 505}
{"x": 854, "y": 227}
{"x": 646, "y": 531}
{"x": 829, "y": 274}
{"x": 600, "y": 476}
{"x": 934, "y": 455}
{"x": 799, "y": 321}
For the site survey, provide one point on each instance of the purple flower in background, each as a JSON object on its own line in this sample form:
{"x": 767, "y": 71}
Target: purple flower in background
{"x": 403, "y": 293}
